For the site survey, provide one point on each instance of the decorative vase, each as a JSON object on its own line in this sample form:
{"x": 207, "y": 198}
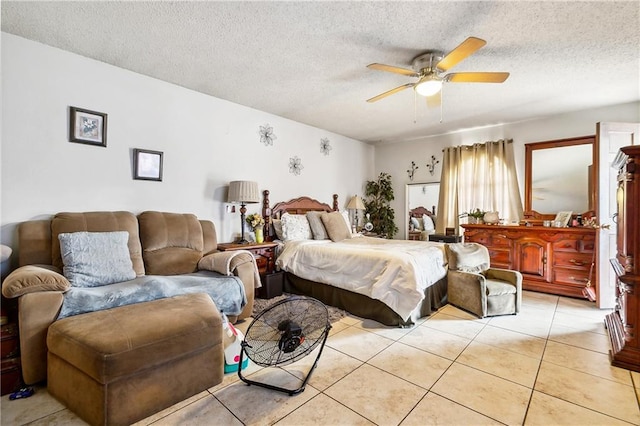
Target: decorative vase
{"x": 471, "y": 220}
{"x": 259, "y": 234}
{"x": 491, "y": 218}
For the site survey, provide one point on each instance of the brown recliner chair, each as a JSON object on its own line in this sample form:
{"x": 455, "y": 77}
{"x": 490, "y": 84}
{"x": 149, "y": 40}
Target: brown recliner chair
{"x": 476, "y": 287}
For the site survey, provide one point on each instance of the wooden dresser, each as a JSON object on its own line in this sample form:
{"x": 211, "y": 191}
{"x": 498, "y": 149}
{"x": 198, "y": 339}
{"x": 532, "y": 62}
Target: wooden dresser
{"x": 623, "y": 323}
{"x": 551, "y": 260}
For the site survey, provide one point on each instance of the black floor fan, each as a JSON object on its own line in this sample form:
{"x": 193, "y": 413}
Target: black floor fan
{"x": 284, "y": 333}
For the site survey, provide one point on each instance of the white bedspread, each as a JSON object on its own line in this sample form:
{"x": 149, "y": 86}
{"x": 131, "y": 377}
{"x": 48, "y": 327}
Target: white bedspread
{"x": 396, "y": 272}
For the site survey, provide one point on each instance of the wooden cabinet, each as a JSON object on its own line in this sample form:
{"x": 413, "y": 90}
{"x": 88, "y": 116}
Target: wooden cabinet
{"x": 623, "y": 323}
{"x": 551, "y": 260}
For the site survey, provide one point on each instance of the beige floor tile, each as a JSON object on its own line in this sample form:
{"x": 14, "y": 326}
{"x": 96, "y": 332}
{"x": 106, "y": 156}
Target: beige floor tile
{"x": 393, "y": 333}
{"x": 636, "y": 379}
{"x": 332, "y": 366}
{"x": 581, "y": 307}
{"x": 592, "y": 325}
{"x": 358, "y": 344}
{"x": 545, "y": 410}
{"x": 534, "y": 322}
{"x": 338, "y": 326}
{"x": 585, "y": 361}
{"x": 489, "y": 395}
{"x": 170, "y": 410}
{"x": 230, "y": 378}
{"x": 23, "y": 411}
{"x": 602, "y": 395}
{"x": 436, "y": 342}
{"x": 351, "y": 320}
{"x": 376, "y": 395}
{"x": 543, "y": 301}
{"x": 204, "y": 411}
{"x": 322, "y": 410}
{"x": 255, "y": 405}
{"x": 513, "y": 341}
{"x": 414, "y": 365}
{"x": 436, "y": 410}
{"x": 508, "y": 365}
{"x": 60, "y": 418}
{"x": 457, "y": 312}
{"x": 454, "y": 325}
{"x": 581, "y": 339}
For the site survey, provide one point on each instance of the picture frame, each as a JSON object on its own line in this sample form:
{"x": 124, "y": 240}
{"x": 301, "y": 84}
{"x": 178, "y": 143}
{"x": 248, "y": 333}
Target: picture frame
{"x": 147, "y": 164}
{"x": 563, "y": 218}
{"x": 87, "y": 127}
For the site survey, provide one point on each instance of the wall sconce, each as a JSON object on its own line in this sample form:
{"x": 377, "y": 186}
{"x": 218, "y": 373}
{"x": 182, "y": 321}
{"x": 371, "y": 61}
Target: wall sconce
{"x": 431, "y": 166}
{"x": 413, "y": 170}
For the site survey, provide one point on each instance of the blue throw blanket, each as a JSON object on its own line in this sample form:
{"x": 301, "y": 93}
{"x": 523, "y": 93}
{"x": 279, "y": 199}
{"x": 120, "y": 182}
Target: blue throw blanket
{"x": 227, "y": 292}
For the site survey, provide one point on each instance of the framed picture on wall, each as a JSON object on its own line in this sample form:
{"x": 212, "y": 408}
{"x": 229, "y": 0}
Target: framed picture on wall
{"x": 88, "y": 127}
{"x": 147, "y": 165}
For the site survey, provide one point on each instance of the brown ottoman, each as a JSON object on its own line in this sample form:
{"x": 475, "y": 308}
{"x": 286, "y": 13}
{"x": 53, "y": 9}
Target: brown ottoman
{"x": 121, "y": 365}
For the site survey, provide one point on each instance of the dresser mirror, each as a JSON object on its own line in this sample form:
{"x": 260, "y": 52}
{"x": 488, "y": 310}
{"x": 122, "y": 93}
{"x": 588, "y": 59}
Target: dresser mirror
{"x": 559, "y": 176}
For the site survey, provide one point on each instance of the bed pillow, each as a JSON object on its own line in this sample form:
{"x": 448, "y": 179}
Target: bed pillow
{"x": 317, "y": 227}
{"x": 467, "y": 257}
{"x": 277, "y": 226}
{"x": 93, "y": 259}
{"x": 336, "y": 226}
{"x": 428, "y": 223}
{"x": 416, "y": 224}
{"x": 295, "y": 227}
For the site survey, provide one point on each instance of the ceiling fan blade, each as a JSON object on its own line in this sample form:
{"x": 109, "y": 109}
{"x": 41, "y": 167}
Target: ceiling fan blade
{"x": 463, "y": 50}
{"x": 434, "y": 101}
{"x": 390, "y": 92}
{"x": 389, "y": 68}
{"x": 476, "y": 77}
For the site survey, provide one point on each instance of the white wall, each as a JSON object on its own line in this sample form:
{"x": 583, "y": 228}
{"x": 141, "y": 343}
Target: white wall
{"x": 206, "y": 141}
{"x": 396, "y": 158}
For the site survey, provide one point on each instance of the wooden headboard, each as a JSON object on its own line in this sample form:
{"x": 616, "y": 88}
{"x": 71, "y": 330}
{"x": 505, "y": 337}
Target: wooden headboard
{"x": 420, "y": 211}
{"x": 300, "y": 205}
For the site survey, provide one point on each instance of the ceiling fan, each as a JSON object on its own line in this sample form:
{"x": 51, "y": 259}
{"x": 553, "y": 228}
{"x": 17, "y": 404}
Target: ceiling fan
{"x": 429, "y": 66}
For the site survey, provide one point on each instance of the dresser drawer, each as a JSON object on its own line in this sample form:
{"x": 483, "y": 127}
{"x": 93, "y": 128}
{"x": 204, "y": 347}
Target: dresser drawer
{"x": 482, "y": 238}
{"x": 501, "y": 240}
{"x": 575, "y": 260}
{"x": 568, "y": 276}
{"x": 9, "y": 340}
{"x": 500, "y": 258}
{"x": 566, "y": 245}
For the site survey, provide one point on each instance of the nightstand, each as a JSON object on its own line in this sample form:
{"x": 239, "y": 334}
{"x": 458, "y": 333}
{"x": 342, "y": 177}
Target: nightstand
{"x": 414, "y": 235}
{"x": 264, "y": 253}
{"x": 445, "y": 238}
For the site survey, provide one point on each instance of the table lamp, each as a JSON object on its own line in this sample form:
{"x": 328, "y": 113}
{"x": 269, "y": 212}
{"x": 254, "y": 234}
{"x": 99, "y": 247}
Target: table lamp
{"x": 355, "y": 204}
{"x": 243, "y": 192}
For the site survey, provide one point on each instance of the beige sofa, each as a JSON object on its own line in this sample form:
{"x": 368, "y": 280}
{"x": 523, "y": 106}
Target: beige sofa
{"x": 160, "y": 244}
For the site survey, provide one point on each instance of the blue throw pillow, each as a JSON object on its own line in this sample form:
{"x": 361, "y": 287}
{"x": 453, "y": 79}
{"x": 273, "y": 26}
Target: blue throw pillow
{"x": 93, "y": 259}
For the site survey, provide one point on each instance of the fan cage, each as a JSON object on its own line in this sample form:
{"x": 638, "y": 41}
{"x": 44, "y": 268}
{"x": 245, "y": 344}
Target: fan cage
{"x": 263, "y": 337}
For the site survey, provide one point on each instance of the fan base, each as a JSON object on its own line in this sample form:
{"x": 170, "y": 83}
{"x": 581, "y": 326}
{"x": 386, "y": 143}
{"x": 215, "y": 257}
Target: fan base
{"x": 427, "y": 61}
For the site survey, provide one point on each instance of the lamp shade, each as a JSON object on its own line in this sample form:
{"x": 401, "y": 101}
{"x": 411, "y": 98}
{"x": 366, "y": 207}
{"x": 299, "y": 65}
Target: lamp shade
{"x": 243, "y": 191}
{"x": 355, "y": 203}
{"x": 428, "y": 86}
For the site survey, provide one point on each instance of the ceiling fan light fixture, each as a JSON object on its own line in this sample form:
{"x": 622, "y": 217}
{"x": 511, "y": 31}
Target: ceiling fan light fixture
{"x": 428, "y": 86}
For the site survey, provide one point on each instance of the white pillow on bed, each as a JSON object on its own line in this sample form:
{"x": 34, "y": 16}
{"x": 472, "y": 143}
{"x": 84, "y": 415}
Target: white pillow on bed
{"x": 428, "y": 223}
{"x": 295, "y": 227}
{"x": 277, "y": 226}
{"x": 416, "y": 224}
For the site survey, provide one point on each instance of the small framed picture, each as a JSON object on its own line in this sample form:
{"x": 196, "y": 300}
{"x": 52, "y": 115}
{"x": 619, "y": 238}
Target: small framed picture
{"x": 147, "y": 165}
{"x": 88, "y": 127}
{"x": 563, "y": 218}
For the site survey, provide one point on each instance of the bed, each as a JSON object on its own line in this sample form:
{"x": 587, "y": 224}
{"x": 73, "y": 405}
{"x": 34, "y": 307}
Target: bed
{"x": 382, "y": 292}
{"x": 419, "y": 227}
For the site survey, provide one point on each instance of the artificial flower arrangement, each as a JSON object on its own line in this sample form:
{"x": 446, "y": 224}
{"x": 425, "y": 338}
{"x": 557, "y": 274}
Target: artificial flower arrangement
{"x": 255, "y": 220}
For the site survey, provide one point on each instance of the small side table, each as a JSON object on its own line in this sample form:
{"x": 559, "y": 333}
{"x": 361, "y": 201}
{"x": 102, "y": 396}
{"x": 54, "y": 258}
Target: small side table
{"x": 264, "y": 253}
{"x": 445, "y": 238}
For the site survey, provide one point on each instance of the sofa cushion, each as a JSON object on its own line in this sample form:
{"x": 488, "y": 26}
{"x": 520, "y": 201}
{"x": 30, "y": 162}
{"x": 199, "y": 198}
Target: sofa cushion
{"x": 172, "y": 243}
{"x": 97, "y": 222}
{"x": 93, "y": 259}
{"x": 117, "y": 342}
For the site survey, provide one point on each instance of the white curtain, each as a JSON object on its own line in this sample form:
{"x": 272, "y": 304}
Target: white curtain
{"x": 481, "y": 176}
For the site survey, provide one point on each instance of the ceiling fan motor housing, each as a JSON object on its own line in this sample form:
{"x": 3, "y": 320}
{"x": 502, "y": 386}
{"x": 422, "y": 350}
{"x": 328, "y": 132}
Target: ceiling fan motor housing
{"x": 426, "y": 63}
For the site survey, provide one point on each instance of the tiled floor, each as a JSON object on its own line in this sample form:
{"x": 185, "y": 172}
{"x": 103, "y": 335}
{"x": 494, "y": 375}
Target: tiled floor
{"x": 546, "y": 366}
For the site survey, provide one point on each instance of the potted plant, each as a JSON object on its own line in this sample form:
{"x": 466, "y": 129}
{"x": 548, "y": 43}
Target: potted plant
{"x": 474, "y": 216}
{"x": 379, "y": 194}
{"x": 256, "y": 222}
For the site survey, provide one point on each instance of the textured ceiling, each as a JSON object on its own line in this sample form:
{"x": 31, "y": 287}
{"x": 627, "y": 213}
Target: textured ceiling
{"x": 306, "y": 61}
